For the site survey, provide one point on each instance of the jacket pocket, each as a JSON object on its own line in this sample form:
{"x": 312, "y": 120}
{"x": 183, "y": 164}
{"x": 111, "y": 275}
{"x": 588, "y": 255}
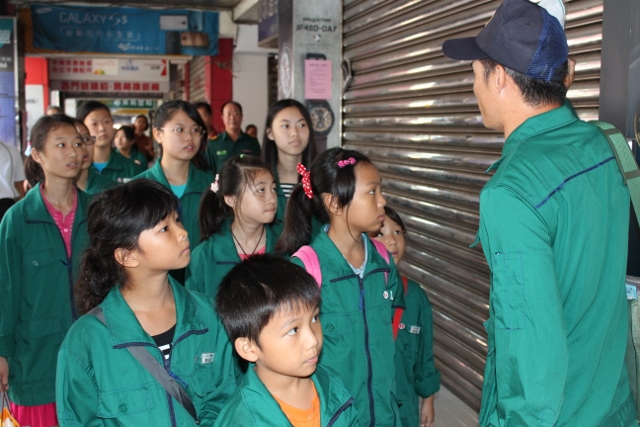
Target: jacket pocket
{"x": 488, "y": 408}
{"x": 507, "y": 290}
{"x": 125, "y": 402}
{"x": 39, "y": 328}
{"x": 336, "y": 324}
{"x": 36, "y": 260}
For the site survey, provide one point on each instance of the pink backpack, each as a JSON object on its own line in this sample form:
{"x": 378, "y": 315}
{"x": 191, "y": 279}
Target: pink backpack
{"x": 309, "y": 259}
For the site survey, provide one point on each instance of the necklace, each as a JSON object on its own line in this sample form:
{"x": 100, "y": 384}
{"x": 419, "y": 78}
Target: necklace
{"x": 254, "y": 249}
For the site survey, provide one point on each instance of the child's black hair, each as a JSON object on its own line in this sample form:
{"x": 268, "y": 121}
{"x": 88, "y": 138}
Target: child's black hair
{"x": 326, "y": 178}
{"x": 116, "y": 218}
{"x": 129, "y": 133}
{"x": 204, "y": 105}
{"x": 269, "y": 148}
{"x": 89, "y": 107}
{"x": 166, "y": 111}
{"x": 39, "y": 133}
{"x": 393, "y": 216}
{"x": 236, "y": 173}
{"x": 254, "y": 290}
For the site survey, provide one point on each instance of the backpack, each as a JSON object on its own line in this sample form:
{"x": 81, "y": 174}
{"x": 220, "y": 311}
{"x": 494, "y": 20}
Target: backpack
{"x": 309, "y": 259}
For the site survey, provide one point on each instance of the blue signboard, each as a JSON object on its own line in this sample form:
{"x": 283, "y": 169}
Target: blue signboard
{"x": 125, "y": 30}
{"x": 8, "y": 94}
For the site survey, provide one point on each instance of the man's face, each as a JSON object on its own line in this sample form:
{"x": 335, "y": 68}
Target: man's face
{"x": 482, "y": 91}
{"x": 232, "y": 118}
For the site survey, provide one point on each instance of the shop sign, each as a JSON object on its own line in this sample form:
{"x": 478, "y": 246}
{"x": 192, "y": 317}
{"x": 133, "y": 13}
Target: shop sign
{"x": 148, "y": 70}
{"x": 8, "y": 82}
{"x": 109, "y": 87}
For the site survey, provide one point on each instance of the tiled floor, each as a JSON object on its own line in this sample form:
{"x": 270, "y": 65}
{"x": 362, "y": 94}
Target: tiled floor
{"x": 452, "y": 412}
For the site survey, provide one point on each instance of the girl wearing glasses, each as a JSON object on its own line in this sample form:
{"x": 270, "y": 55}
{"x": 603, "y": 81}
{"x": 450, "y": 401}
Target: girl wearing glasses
{"x": 41, "y": 239}
{"x": 179, "y": 131}
{"x": 88, "y": 179}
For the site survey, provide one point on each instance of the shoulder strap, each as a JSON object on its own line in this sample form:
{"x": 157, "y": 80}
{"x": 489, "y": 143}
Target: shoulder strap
{"x": 626, "y": 161}
{"x": 397, "y": 316}
{"x": 157, "y": 371}
{"x": 309, "y": 259}
{"x": 382, "y": 250}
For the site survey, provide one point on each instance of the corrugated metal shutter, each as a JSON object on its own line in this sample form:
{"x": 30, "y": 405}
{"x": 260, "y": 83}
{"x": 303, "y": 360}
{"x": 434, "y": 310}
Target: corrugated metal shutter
{"x": 197, "y": 85}
{"x": 413, "y": 112}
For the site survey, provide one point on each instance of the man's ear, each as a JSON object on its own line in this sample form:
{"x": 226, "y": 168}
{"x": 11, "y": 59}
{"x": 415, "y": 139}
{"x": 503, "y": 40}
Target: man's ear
{"x": 127, "y": 258}
{"x": 230, "y": 201}
{"x": 331, "y": 204}
{"x": 246, "y": 349}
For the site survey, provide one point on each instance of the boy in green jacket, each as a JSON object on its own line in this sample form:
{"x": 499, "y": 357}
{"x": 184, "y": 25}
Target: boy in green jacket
{"x": 270, "y": 308}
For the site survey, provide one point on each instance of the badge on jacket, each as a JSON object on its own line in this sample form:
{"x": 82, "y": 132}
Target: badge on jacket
{"x": 206, "y": 358}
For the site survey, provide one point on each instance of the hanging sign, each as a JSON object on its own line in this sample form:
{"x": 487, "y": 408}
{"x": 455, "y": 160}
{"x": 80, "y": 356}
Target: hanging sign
{"x": 125, "y": 30}
{"x": 8, "y": 79}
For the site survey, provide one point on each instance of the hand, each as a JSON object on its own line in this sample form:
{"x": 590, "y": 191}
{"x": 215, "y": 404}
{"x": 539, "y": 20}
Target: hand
{"x": 4, "y": 374}
{"x": 427, "y": 412}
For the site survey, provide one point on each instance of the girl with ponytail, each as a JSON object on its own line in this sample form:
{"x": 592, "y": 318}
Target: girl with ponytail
{"x": 133, "y": 304}
{"x": 360, "y": 286}
{"x": 41, "y": 239}
{"x": 235, "y": 221}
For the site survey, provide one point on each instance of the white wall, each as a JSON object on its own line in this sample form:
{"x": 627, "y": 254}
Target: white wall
{"x": 250, "y": 77}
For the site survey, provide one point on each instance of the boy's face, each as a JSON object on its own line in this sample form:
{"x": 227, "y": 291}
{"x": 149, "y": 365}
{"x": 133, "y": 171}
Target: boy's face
{"x": 289, "y": 345}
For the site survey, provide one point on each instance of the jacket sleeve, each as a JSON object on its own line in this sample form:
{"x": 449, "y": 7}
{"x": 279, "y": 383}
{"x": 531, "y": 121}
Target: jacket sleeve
{"x": 10, "y": 286}
{"x": 526, "y": 312}
{"x": 427, "y": 377}
{"x": 76, "y": 391}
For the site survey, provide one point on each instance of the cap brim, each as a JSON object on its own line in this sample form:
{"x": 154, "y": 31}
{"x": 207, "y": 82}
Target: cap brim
{"x": 464, "y": 49}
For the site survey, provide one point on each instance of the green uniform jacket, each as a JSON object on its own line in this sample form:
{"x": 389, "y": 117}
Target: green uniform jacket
{"x": 214, "y": 258}
{"x": 197, "y": 183}
{"x": 101, "y": 384}
{"x": 416, "y": 374}
{"x": 119, "y": 168}
{"x": 97, "y": 183}
{"x": 356, "y": 319}
{"x": 135, "y": 156}
{"x": 253, "y": 406}
{"x": 221, "y": 148}
{"x": 553, "y": 224}
{"x": 37, "y": 305}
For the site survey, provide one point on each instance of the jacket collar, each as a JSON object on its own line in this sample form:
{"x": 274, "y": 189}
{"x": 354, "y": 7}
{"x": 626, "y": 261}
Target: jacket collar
{"x": 223, "y": 240}
{"x": 124, "y": 327}
{"x": 325, "y": 247}
{"x": 332, "y": 397}
{"x": 556, "y": 118}
{"x": 192, "y": 182}
{"x": 36, "y": 210}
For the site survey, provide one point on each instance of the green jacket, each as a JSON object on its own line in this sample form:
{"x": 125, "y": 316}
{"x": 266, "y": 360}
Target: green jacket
{"x": 416, "y": 374}
{"x": 119, "y": 168}
{"x": 37, "y": 304}
{"x": 356, "y": 319}
{"x": 214, "y": 258}
{"x": 97, "y": 183}
{"x": 553, "y": 225}
{"x": 253, "y": 406}
{"x": 197, "y": 183}
{"x": 101, "y": 384}
{"x": 137, "y": 157}
{"x": 222, "y": 147}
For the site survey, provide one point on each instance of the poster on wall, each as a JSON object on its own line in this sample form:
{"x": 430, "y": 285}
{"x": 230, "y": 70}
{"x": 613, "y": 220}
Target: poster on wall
{"x": 8, "y": 89}
{"x": 125, "y": 30}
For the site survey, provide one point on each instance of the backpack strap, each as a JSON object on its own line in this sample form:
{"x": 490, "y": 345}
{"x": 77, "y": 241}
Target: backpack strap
{"x": 309, "y": 259}
{"x": 397, "y": 316}
{"x": 157, "y": 371}
{"x": 626, "y": 161}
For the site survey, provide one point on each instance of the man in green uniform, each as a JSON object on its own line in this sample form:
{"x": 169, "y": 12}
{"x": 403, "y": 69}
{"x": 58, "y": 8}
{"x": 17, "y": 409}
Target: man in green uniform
{"x": 232, "y": 141}
{"x": 553, "y": 227}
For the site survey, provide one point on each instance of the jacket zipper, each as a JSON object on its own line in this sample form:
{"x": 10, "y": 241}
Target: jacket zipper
{"x": 339, "y": 412}
{"x": 367, "y": 351}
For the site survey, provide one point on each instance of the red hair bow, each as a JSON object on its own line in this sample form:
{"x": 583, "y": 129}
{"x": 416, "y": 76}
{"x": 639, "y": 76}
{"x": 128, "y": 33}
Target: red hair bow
{"x": 306, "y": 180}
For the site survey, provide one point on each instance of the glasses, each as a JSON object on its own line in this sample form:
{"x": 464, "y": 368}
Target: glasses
{"x": 89, "y": 140}
{"x": 196, "y": 131}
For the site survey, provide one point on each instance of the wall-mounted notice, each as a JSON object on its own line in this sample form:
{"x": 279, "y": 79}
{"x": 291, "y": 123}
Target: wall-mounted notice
{"x": 317, "y": 79}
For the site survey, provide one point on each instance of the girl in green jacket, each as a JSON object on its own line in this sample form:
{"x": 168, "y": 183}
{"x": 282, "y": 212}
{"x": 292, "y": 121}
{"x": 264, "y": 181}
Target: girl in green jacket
{"x": 88, "y": 180}
{"x": 359, "y": 287}
{"x": 100, "y": 381}
{"x": 416, "y": 375}
{"x": 235, "y": 221}
{"x": 288, "y": 140}
{"x": 124, "y": 140}
{"x": 41, "y": 239}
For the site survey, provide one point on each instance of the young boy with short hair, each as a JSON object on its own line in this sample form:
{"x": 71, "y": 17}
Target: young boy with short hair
{"x": 269, "y": 307}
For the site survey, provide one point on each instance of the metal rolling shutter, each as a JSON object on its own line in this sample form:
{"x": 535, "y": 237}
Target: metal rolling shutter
{"x": 413, "y": 112}
{"x": 197, "y": 85}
